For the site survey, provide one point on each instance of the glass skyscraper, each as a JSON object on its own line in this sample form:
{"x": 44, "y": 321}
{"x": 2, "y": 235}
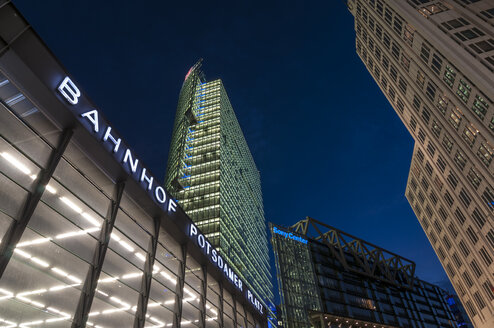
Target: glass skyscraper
{"x": 330, "y": 279}
{"x": 434, "y": 61}
{"x": 213, "y": 176}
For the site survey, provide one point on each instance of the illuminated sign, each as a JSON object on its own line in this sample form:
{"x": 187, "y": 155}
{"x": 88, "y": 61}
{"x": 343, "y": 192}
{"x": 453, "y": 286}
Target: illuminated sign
{"x": 289, "y": 235}
{"x": 92, "y": 120}
{"x": 216, "y": 258}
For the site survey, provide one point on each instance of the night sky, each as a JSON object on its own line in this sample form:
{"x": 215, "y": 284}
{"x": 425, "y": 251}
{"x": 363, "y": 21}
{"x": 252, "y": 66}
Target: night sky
{"x": 325, "y": 140}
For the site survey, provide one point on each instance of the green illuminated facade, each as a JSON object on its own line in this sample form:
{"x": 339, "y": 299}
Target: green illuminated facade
{"x": 213, "y": 176}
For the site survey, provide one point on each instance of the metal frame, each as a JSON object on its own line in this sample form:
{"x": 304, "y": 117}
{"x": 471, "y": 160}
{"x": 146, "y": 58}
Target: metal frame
{"x": 17, "y": 228}
{"x": 179, "y": 289}
{"x": 220, "y": 312}
{"x": 142, "y": 303}
{"x": 372, "y": 261}
{"x": 89, "y": 288}
{"x": 204, "y": 289}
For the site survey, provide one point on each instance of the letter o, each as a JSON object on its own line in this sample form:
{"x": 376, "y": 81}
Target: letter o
{"x": 201, "y": 241}
{"x": 160, "y": 194}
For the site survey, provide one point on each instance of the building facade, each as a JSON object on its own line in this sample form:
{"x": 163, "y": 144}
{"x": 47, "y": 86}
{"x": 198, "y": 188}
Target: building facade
{"x": 332, "y": 279}
{"x": 213, "y": 176}
{"x": 434, "y": 61}
{"x": 89, "y": 238}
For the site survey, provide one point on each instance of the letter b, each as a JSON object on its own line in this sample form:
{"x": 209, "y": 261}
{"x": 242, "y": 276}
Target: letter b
{"x": 68, "y": 89}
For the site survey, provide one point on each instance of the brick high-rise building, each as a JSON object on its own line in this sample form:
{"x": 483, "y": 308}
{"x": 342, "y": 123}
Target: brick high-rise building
{"x": 434, "y": 61}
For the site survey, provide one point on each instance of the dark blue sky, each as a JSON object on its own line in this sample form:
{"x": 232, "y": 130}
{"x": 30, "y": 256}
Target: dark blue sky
{"x": 325, "y": 139}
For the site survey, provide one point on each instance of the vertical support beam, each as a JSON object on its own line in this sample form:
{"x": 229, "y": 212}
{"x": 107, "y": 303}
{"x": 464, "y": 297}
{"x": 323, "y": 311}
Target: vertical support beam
{"x": 203, "y": 299}
{"x": 142, "y": 303}
{"x": 179, "y": 289}
{"x": 246, "y": 323}
{"x": 89, "y": 288}
{"x": 235, "y": 318}
{"x": 220, "y": 310}
{"x": 17, "y": 228}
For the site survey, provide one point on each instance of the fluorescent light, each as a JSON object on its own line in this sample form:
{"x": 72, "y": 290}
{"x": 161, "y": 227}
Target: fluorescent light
{"x": 60, "y": 272}
{"x": 22, "y": 253}
{"x": 140, "y": 256}
{"x": 33, "y": 242}
{"x": 132, "y": 275}
{"x": 51, "y": 189}
{"x": 59, "y": 287}
{"x": 102, "y": 293}
{"x": 74, "y": 279}
{"x": 90, "y": 219}
{"x": 40, "y": 262}
{"x": 115, "y": 237}
{"x": 70, "y": 204}
{"x": 110, "y": 279}
{"x": 38, "y": 304}
{"x": 126, "y": 246}
{"x": 23, "y": 168}
{"x": 38, "y": 291}
{"x": 92, "y": 314}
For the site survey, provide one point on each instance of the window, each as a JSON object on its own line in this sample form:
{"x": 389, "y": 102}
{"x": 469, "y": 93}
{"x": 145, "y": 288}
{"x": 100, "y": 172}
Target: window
{"x": 442, "y": 104}
{"x": 386, "y": 40}
{"x": 490, "y": 237}
{"x": 455, "y": 23}
{"x": 408, "y": 35}
{"x": 472, "y": 235}
{"x": 463, "y": 248}
{"x": 400, "y": 105}
{"x": 470, "y": 134}
{"x": 449, "y": 76}
{"x": 469, "y": 34}
{"x": 395, "y": 51}
{"x": 388, "y": 16}
{"x": 485, "y": 153}
{"x": 489, "y": 290}
{"x": 489, "y": 13}
{"x": 464, "y": 90}
{"x": 431, "y": 91}
{"x": 465, "y": 198}
{"x": 413, "y": 124}
{"x": 447, "y": 143}
{"x": 420, "y": 79}
{"x": 398, "y": 25}
{"x": 402, "y": 84}
{"x": 452, "y": 230}
{"x": 436, "y": 63}
{"x": 474, "y": 178}
{"x": 421, "y": 135}
{"x": 460, "y": 160}
{"x": 442, "y": 213}
{"x": 426, "y": 115}
{"x": 441, "y": 164}
{"x": 425, "y": 52}
{"x": 436, "y": 128}
{"x": 420, "y": 155}
{"x": 385, "y": 63}
{"x": 429, "y": 170}
{"x": 482, "y": 46}
{"x": 459, "y": 216}
{"x": 488, "y": 197}
{"x": 405, "y": 62}
{"x": 455, "y": 118}
{"x": 480, "y": 106}
{"x": 452, "y": 179}
{"x": 478, "y": 218}
{"x": 448, "y": 198}
{"x": 456, "y": 260}
{"x": 417, "y": 102}
{"x": 431, "y": 149}
{"x": 479, "y": 300}
{"x": 438, "y": 183}
{"x": 433, "y": 197}
{"x": 393, "y": 73}
{"x": 485, "y": 256}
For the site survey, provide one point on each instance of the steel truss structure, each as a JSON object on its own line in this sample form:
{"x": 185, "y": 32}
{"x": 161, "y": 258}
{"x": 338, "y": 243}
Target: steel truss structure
{"x": 372, "y": 261}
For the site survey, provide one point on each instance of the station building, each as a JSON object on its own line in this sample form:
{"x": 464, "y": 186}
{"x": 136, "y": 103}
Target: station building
{"x": 89, "y": 238}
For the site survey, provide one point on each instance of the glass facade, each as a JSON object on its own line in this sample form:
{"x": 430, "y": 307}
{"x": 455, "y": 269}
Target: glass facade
{"x": 213, "y": 176}
{"x": 329, "y": 283}
{"x": 82, "y": 244}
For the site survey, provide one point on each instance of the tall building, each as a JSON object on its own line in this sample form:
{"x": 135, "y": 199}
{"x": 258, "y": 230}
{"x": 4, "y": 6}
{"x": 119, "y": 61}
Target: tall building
{"x": 89, "y": 238}
{"x": 328, "y": 278}
{"x": 213, "y": 176}
{"x": 434, "y": 61}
